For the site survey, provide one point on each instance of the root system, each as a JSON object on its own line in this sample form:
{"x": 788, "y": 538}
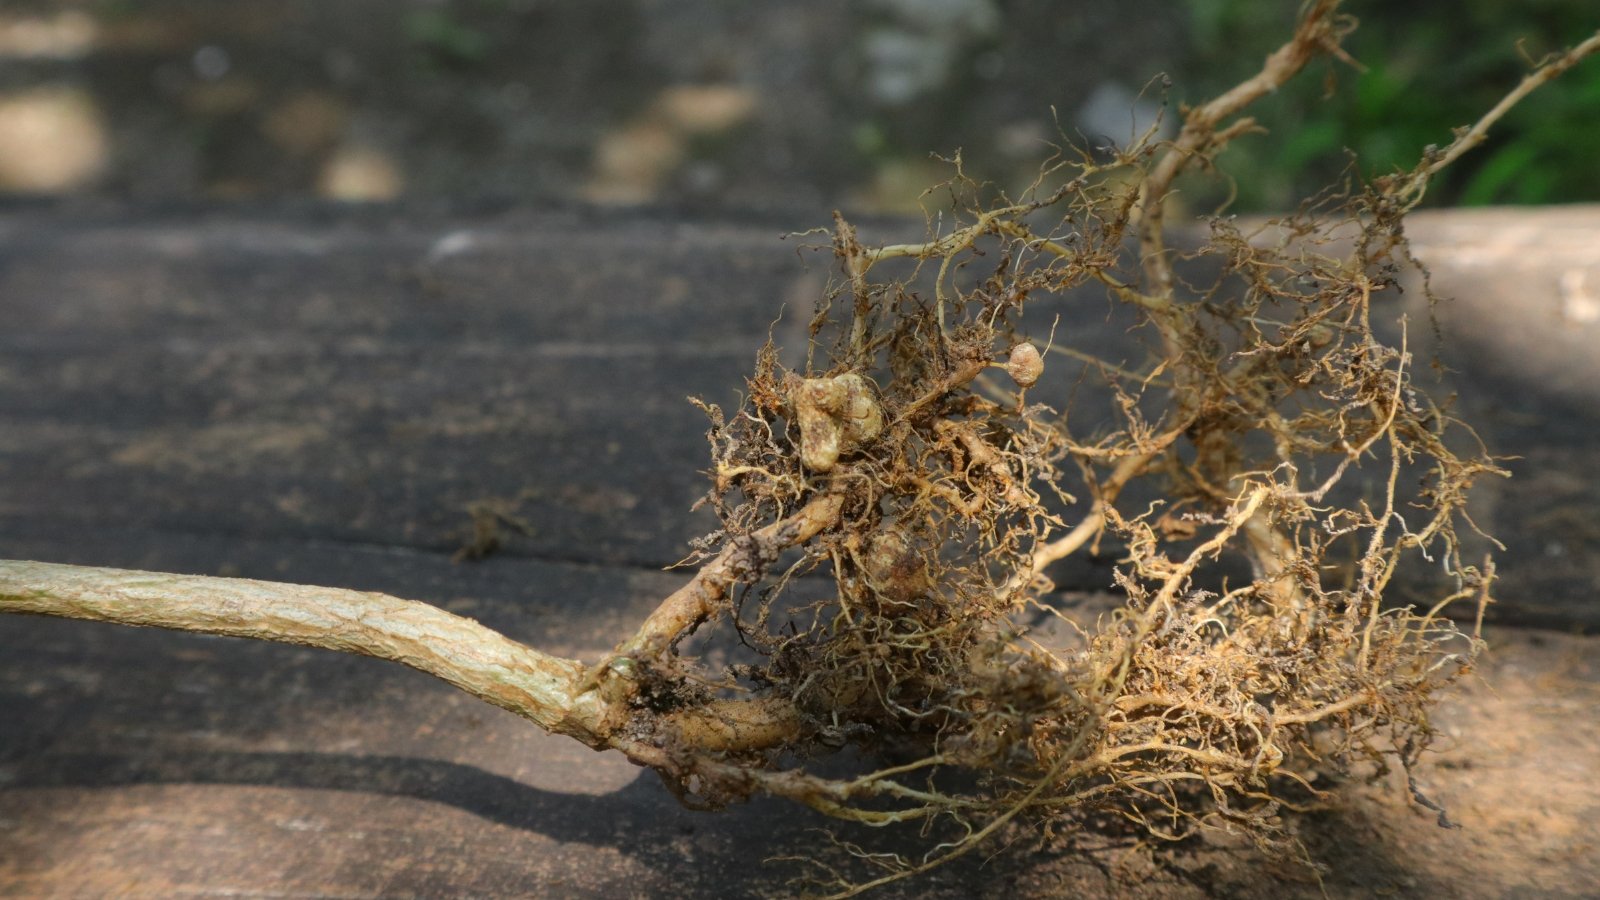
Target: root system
{"x": 891, "y": 510}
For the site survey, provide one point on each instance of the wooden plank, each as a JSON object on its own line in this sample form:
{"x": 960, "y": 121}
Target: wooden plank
{"x": 361, "y": 380}
{"x": 1521, "y": 322}
{"x": 317, "y": 397}
{"x": 357, "y": 384}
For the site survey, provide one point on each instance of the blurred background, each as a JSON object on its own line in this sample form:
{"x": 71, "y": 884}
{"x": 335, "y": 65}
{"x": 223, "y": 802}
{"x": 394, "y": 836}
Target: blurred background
{"x": 746, "y": 104}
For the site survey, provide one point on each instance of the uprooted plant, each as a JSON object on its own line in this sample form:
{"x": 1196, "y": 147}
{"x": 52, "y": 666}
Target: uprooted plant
{"x": 924, "y": 466}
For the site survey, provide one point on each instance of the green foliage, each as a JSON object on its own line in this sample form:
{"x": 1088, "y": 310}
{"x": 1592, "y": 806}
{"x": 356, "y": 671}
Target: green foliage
{"x": 1430, "y": 67}
{"x": 445, "y": 38}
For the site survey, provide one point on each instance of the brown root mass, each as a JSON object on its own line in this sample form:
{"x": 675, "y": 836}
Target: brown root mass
{"x": 1254, "y": 658}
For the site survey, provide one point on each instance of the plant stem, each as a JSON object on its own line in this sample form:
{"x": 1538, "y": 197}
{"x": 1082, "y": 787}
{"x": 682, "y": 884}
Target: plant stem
{"x": 1466, "y": 139}
{"x": 476, "y": 659}
{"x": 1319, "y": 32}
{"x": 548, "y": 690}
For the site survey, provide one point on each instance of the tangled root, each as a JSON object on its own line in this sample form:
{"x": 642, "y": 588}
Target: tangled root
{"x": 1253, "y": 658}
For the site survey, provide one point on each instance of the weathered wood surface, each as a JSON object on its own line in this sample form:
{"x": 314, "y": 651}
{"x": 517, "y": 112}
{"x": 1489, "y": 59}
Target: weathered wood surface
{"x": 317, "y": 397}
